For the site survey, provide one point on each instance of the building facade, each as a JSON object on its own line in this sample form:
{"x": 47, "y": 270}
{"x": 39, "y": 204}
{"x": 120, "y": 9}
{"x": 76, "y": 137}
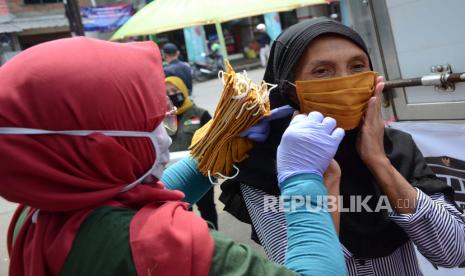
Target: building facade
{"x": 25, "y": 23}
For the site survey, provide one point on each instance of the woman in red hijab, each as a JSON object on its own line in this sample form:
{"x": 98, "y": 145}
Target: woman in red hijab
{"x": 83, "y": 146}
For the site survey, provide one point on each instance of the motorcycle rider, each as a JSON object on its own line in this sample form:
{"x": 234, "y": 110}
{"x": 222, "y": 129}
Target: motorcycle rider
{"x": 214, "y": 63}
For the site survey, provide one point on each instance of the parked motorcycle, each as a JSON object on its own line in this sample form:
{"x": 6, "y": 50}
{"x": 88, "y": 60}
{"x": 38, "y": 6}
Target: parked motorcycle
{"x": 203, "y": 71}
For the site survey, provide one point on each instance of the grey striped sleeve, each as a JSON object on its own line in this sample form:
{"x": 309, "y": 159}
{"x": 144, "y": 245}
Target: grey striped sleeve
{"x": 437, "y": 228}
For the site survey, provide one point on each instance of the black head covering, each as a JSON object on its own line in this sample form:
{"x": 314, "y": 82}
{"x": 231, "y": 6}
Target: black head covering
{"x": 366, "y": 235}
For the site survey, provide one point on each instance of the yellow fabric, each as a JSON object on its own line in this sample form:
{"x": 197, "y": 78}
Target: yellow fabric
{"x": 176, "y": 81}
{"x": 343, "y": 98}
{"x": 217, "y": 145}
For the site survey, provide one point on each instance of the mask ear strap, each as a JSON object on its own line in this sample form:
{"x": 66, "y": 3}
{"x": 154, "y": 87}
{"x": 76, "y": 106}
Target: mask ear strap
{"x": 221, "y": 76}
{"x": 112, "y": 133}
{"x": 156, "y": 147}
{"x": 223, "y": 176}
{"x": 288, "y": 82}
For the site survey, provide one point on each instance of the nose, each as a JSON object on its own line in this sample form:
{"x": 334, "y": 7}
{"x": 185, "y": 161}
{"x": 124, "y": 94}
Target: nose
{"x": 343, "y": 72}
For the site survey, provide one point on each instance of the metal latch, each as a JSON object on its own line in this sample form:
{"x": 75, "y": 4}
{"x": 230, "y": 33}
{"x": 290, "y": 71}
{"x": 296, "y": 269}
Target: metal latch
{"x": 442, "y": 79}
{"x": 445, "y": 71}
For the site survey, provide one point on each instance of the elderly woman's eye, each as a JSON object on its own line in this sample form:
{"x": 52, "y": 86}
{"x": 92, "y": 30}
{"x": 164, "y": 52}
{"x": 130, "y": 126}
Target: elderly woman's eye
{"x": 321, "y": 72}
{"x": 359, "y": 67}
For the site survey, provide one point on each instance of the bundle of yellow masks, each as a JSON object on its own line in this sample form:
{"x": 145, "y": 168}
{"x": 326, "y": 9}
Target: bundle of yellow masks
{"x": 217, "y": 145}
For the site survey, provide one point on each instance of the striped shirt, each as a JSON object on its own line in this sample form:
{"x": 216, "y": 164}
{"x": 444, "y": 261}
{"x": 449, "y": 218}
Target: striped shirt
{"x": 437, "y": 229}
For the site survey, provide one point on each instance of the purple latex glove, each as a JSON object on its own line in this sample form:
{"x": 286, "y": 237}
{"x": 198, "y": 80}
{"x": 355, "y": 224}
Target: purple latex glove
{"x": 308, "y": 145}
{"x": 260, "y": 131}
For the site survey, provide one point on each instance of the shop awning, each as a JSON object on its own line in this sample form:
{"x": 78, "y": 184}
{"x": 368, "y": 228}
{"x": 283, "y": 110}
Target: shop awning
{"x": 166, "y": 15}
{"x": 20, "y": 24}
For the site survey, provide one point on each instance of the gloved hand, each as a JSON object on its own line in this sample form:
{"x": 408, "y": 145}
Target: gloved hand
{"x": 260, "y": 131}
{"x": 308, "y": 145}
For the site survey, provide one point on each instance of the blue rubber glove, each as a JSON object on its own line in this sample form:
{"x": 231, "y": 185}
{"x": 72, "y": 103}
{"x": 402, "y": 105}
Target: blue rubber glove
{"x": 308, "y": 145}
{"x": 260, "y": 131}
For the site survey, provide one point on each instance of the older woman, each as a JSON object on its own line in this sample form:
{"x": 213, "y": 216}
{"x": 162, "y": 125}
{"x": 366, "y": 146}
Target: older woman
{"x": 323, "y": 65}
{"x": 83, "y": 149}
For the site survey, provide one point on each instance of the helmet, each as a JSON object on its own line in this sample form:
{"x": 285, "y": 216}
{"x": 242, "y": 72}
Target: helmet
{"x": 261, "y": 27}
{"x": 215, "y": 47}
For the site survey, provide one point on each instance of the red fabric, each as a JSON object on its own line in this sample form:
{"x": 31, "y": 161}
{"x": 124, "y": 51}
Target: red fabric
{"x": 87, "y": 84}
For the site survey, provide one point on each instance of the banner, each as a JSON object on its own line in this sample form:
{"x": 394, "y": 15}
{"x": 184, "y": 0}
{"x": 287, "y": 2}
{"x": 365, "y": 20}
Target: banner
{"x": 443, "y": 146}
{"x": 105, "y": 18}
{"x": 273, "y": 24}
{"x": 195, "y": 43}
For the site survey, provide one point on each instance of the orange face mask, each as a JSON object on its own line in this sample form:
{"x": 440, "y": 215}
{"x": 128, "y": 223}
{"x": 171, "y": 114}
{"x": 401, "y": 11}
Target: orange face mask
{"x": 343, "y": 98}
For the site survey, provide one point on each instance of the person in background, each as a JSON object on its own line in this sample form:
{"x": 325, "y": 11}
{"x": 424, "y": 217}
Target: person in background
{"x": 190, "y": 119}
{"x": 176, "y": 67}
{"x": 264, "y": 41}
{"x": 88, "y": 172}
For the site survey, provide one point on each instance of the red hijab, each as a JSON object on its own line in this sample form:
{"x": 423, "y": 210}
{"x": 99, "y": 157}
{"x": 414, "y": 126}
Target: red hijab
{"x": 87, "y": 84}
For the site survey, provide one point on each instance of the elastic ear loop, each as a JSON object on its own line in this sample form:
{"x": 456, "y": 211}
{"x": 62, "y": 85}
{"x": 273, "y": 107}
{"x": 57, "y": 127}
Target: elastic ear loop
{"x": 112, "y": 133}
{"x": 221, "y": 76}
{"x": 242, "y": 78}
{"x": 223, "y": 176}
{"x": 293, "y": 84}
{"x": 262, "y": 97}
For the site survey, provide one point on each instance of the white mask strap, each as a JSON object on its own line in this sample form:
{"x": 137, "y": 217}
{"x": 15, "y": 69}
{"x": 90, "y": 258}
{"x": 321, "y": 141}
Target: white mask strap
{"x": 293, "y": 84}
{"x": 223, "y": 176}
{"x": 114, "y": 133}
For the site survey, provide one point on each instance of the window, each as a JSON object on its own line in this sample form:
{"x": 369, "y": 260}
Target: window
{"x": 34, "y": 2}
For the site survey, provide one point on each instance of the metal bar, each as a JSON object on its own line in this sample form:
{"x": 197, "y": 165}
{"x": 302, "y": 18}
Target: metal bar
{"x": 428, "y": 80}
{"x": 456, "y": 77}
{"x": 73, "y": 13}
{"x": 219, "y": 31}
{"x": 402, "y": 83}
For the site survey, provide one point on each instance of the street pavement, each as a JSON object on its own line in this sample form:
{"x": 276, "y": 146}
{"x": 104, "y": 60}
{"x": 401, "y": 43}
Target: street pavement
{"x": 205, "y": 95}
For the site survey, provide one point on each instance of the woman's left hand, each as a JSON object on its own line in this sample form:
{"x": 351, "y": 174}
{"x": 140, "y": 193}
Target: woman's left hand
{"x": 370, "y": 142}
{"x": 370, "y": 147}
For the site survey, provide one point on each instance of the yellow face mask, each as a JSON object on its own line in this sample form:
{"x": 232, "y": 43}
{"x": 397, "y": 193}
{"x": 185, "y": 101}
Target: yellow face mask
{"x": 343, "y": 98}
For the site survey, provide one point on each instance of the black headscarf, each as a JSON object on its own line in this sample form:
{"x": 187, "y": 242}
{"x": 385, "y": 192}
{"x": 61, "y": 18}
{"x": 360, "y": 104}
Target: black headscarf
{"x": 366, "y": 235}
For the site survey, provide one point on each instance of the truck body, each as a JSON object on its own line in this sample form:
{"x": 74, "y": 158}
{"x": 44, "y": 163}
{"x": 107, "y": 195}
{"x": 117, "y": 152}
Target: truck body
{"x": 419, "y": 38}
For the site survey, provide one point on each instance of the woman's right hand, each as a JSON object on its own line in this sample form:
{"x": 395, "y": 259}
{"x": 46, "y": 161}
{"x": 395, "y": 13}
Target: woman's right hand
{"x": 332, "y": 178}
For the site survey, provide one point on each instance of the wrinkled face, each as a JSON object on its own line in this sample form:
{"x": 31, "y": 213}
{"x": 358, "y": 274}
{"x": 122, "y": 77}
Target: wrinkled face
{"x": 329, "y": 57}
